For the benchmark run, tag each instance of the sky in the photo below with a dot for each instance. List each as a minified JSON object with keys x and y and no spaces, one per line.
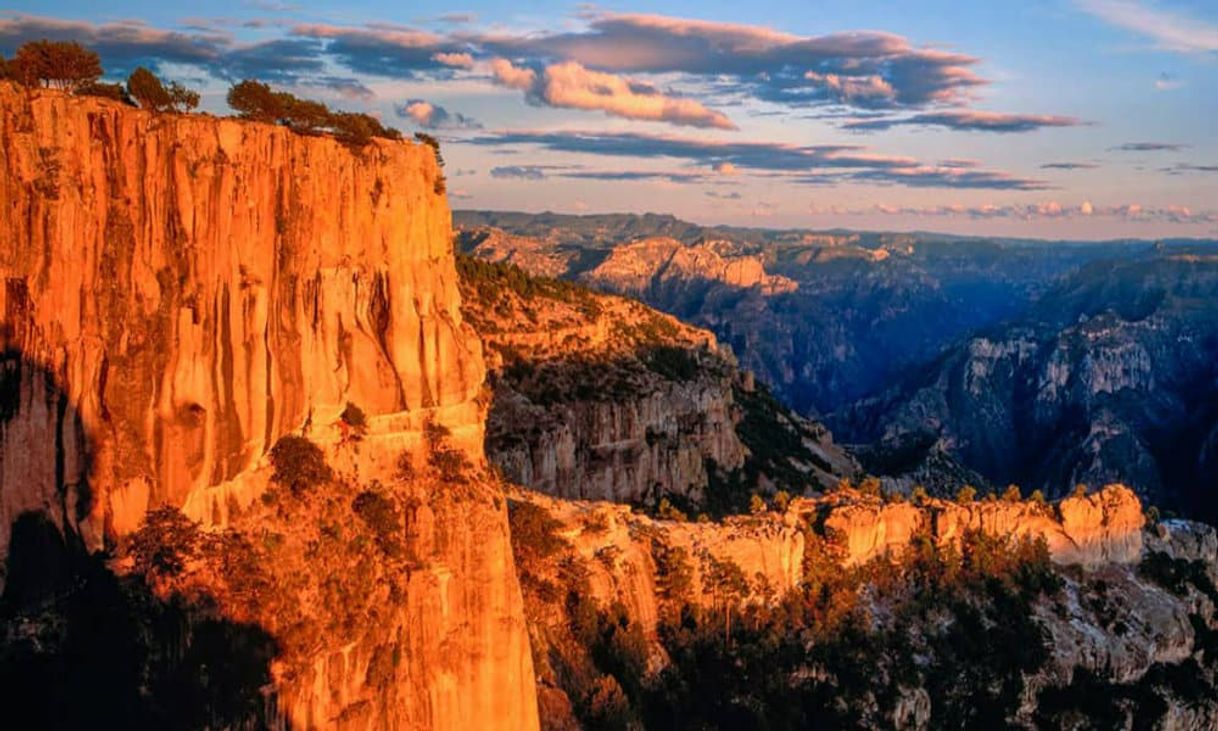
{"x":1082,"y":119}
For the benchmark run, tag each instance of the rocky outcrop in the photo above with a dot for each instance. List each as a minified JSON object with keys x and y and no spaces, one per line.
{"x":661,"y":264}
{"x":1109,"y":617}
{"x":180,"y":292}
{"x":600,"y":397}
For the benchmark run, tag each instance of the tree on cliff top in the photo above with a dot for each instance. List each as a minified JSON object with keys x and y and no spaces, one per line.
{"x":147,"y":89}
{"x":258,"y":102}
{"x":63,"y":65}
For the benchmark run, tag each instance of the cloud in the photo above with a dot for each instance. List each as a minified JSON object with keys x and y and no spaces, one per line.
{"x":432,"y":116}
{"x":1051,"y":210}
{"x":1167,"y":82}
{"x":1149,"y":147}
{"x":729,"y":196}
{"x":348,"y":88}
{"x":457,"y":18}
{"x":814,"y":164}
{"x":755,"y":155}
{"x":384,"y":49}
{"x":456,"y":60}
{"x":122,"y":44}
{"x":637,"y":175}
{"x":927,"y":176}
{"x":1184,"y":167}
{"x":513,"y":77}
{"x":868,"y":69}
{"x":525,"y":172}
{"x":573,"y":86}
{"x":970,"y":121}
{"x":1069,"y":166}
{"x":1169,"y":30}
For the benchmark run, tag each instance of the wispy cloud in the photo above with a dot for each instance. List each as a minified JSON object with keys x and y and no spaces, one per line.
{"x":1050,"y":210}
{"x":968,"y":120}
{"x":1150,"y":147}
{"x":1069,"y":166}
{"x":808,"y":165}
{"x":1169,"y":30}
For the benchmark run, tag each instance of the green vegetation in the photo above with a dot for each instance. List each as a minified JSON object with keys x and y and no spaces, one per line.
{"x":957,"y":622}
{"x":673,"y":362}
{"x":299,"y":464}
{"x":490,"y":280}
{"x":165,"y":542}
{"x":450,"y":463}
{"x":441,"y":184}
{"x":65,"y":65}
{"x":381,"y":514}
{"x":146,"y":89}
{"x":256,"y":101}
{"x":353,"y":416}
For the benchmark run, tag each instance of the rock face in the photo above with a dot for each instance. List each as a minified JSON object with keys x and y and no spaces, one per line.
{"x":1110,"y":617}
{"x":657,"y":265}
{"x":1110,"y":377}
{"x":182,"y":291}
{"x":1091,"y":530}
{"x":600,"y":397}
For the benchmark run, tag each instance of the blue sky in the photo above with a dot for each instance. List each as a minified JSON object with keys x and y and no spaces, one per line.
{"x":1053,"y":118}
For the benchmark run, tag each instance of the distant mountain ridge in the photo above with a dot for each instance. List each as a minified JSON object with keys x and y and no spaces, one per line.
{"x":876,"y":335}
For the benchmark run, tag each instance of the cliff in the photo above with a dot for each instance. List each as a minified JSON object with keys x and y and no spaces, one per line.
{"x":1109,"y":377}
{"x":1103,"y":605}
{"x":181,"y":292}
{"x":600,"y":397}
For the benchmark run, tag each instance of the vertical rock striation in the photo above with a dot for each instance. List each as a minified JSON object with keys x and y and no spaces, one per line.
{"x":179,"y":292}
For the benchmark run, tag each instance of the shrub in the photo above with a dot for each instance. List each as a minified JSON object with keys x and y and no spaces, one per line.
{"x":63,"y":65}
{"x":354,"y":417}
{"x":164,"y":543}
{"x":299,"y":464}
{"x":756,"y":505}
{"x":380,"y":514}
{"x":782,"y":499}
{"x":449,"y":462}
{"x":966,"y":495}
{"x":534,"y":531}
{"x":667,"y":511}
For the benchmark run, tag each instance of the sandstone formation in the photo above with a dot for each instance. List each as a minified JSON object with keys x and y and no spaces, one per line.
{"x":182,"y":291}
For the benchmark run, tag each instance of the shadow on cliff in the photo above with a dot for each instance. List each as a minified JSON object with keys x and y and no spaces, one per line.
{"x":84,"y":646}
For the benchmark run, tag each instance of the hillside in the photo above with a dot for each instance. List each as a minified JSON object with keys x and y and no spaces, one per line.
{"x":1110,"y":375}
{"x":601,"y":397}
{"x":823,"y":317}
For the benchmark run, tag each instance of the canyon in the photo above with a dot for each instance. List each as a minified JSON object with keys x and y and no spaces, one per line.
{"x":181,"y":292}
{"x":256,"y":415}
